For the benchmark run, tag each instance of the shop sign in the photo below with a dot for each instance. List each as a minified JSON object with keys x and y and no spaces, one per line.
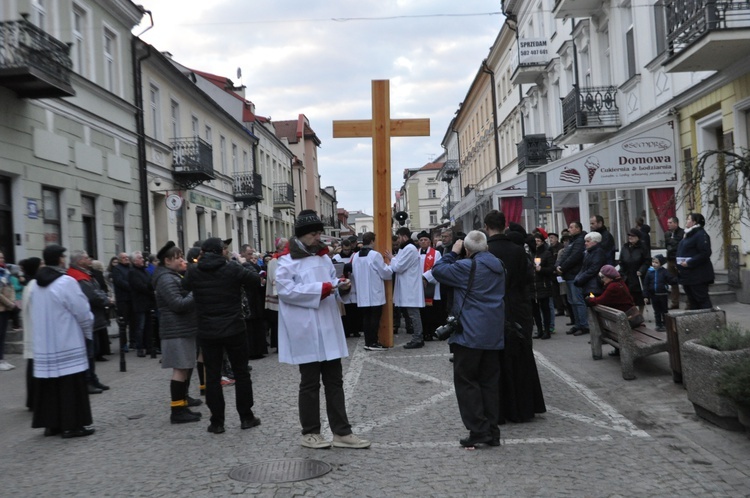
{"x":648,"y":157}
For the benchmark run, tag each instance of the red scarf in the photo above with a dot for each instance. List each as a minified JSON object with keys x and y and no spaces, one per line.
{"x":78,"y":274}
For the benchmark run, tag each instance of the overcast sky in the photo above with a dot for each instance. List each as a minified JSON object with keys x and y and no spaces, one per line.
{"x":296,"y":58}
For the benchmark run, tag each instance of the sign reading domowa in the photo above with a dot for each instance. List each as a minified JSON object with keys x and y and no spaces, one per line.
{"x":645,"y":157}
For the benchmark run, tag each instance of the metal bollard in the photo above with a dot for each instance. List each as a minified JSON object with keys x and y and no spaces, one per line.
{"x":121,"y":326}
{"x":152,"y":334}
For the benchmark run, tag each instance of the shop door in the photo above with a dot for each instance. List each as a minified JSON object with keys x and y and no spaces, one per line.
{"x":710,"y":137}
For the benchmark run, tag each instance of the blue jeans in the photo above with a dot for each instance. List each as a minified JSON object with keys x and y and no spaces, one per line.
{"x":575,"y":298}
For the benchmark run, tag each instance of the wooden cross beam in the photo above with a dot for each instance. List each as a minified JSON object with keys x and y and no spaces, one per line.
{"x":381,"y":128}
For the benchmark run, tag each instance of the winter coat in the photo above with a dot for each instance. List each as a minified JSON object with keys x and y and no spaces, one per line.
{"x":121,"y":282}
{"x":608,"y":244}
{"x":98,"y":299}
{"x":672,"y":241}
{"x":518,"y":277}
{"x":368,"y":272}
{"x":657,"y":282}
{"x":542,"y":284}
{"x":572,"y":259}
{"x":62,"y":322}
{"x":696,"y":245}
{"x":646,"y":236}
{"x":255,"y":294}
{"x":588,"y":278}
{"x":482,"y":307}
{"x":310,"y":328}
{"x":634,"y":258}
{"x":409,"y":290}
{"x":615,"y":295}
{"x":177,"y":313}
{"x":141,"y":290}
{"x":216,"y":284}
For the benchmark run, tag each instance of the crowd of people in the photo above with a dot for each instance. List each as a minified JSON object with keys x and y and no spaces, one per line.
{"x":211,"y":310}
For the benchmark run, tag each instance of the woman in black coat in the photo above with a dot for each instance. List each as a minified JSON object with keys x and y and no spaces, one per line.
{"x":541,"y":288}
{"x":696,"y":272}
{"x":635,"y":259}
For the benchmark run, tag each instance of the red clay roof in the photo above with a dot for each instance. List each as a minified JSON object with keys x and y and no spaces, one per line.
{"x":431,"y":166}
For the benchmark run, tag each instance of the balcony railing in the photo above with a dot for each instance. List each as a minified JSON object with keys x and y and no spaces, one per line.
{"x":33,"y":63}
{"x":283,"y":196}
{"x":590,"y":108}
{"x":248,"y":188}
{"x":689,"y":22}
{"x":447,"y":210}
{"x":532,"y":151}
{"x":330,"y":221}
{"x":192,"y":160}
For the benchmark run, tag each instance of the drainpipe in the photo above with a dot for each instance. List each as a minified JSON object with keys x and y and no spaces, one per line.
{"x":141,"y":134}
{"x":489,"y":71}
{"x":255,"y":170}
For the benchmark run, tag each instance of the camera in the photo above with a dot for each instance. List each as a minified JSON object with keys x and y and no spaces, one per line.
{"x":445,"y":331}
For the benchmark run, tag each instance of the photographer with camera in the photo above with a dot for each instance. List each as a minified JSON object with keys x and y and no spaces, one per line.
{"x":476,"y":334}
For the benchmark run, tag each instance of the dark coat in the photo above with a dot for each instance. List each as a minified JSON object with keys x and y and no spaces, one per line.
{"x":177,"y":316}
{"x":588,"y":278}
{"x":634,"y":258}
{"x":121,"y":282}
{"x":141,"y":290}
{"x":608,"y":244}
{"x":518,"y":276}
{"x":542,"y":284}
{"x":615,"y":295}
{"x":646,"y":236}
{"x":572,"y":259}
{"x":216,"y":284}
{"x":671,"y":241}
{"x":256,"y":296}
{"x":98,"y":299}
{"x":696,"y":245}
{"x":656,"y":282}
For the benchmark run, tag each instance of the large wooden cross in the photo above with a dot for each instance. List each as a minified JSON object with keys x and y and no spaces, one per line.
{"x":381,"y":128}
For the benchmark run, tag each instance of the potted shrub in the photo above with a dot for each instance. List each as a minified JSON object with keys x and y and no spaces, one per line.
{"x":734,"y":383}
{"x":704,"y":359}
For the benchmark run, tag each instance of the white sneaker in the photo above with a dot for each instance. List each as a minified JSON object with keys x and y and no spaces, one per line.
{"x":4,"y":365}
{"x":315,"y":441}
{"x":350,"y":441}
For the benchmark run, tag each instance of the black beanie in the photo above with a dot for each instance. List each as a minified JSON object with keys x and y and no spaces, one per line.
{"x":307,"y":221}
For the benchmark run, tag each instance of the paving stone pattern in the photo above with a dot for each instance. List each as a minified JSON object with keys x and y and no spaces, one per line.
{"x":601,"y":436}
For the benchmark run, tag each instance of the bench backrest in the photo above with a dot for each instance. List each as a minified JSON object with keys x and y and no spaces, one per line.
{"x":613,"y":324}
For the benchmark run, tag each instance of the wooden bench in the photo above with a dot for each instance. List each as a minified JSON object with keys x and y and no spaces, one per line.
{"x":611,"y":326}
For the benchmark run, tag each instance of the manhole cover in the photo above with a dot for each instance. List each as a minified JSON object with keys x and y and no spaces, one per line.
{"x":273,"y":471}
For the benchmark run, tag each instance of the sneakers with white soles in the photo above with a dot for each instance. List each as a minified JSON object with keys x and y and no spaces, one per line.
{"x":4,"y":365}
{"x":350,"y":441}
{"x":315,"y":441}
{"x":376,"y":347}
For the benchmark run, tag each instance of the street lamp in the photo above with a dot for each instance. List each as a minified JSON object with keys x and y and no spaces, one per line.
{"x":554,"y":152}
{"x":448,"y":178}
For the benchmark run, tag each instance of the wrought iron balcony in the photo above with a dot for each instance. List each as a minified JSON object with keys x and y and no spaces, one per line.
{"x":248,"y":188}
{"x":330,"y":222}
{"x":589,"y":115}
{"x":283,"y":196}
{"x":192,"y":160}
{"x":706,"y":35}
{"x":33,"y":63}
{"x":576,"y":8}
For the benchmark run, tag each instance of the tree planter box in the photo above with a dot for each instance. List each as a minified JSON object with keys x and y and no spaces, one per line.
{"x":685,"y":325}
{"x":701,"y":368}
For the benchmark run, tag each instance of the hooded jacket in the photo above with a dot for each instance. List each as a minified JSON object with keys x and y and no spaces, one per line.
{"x":482,"y":307}
{"x":216,"y":284}
{"x":177,"y":315}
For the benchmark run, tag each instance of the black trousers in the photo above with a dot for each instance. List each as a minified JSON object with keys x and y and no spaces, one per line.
{"x":659,"y":302}
{"x":125,"y":312}
{"x":371,"y":323}
{"x":352,"y":320}
{"x":476,"y":375}
{"x":309,"y":397}
{"x":698,"y":298}
{"x":213,"y":356}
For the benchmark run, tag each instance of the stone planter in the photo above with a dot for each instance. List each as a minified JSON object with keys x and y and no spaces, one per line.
{"x":701,"y":368}
{"x":685,"y":325}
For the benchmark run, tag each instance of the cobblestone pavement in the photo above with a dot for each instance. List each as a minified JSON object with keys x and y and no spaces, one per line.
{"x":601,"y":436}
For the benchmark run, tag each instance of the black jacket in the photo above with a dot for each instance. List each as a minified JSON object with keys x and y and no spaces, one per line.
{"x":216,"y":284}
{"x":518,"y":278}
{"x":588,"y":278}
{"x":572,"y":259}
{"x":697,"y":246}
{"x":141,"y":290}
{"x":671,"y":241}
{"x":256,"y":295}
{"x":542,"y":283}
{"x":634,"y":258}
{"x":122,"y":284}
{"x":608,"y":244}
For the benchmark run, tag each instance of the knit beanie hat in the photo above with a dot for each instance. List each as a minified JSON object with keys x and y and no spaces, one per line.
{"x":609,"y":271}
{"x":307,"y":221}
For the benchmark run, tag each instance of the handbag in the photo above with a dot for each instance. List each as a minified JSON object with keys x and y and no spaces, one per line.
{"x":635,"y":318}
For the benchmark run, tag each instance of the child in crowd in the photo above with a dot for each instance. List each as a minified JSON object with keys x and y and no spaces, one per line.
{"x":656,"y":288}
